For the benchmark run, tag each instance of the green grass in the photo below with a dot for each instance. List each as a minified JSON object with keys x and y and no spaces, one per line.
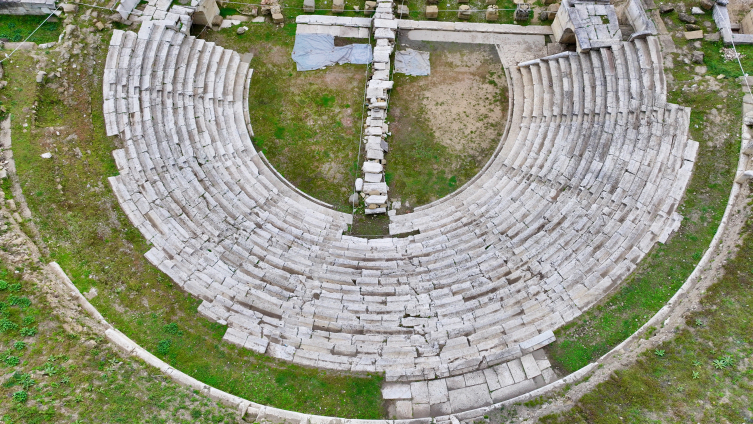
{"x":306,"y":123}
{"x":89,"y":236}
{"x":17,"y":28}
{"x":717,"y":65}
{"x":667,"y":266}
{"x":55,"y":374}
{"x":705,"y":374}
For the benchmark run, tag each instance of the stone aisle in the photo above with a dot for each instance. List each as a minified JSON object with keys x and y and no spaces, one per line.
{"x":373,"y":187}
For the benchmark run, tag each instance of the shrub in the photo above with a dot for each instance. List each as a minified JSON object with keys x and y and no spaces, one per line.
{"x":163,"y":347}
{"x":20,"y":396}
{"x":28,"y":331}
{"x":22,"y":301}
{"x":7,"y":325}
{"x":173,"y":329}
{"x":12,"y":360}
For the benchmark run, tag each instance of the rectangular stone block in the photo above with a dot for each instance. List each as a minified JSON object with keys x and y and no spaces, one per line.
{"x":469,"y":398}
{"x":516,"y":370}
{"x":529,"y":366}
{"x":438,"y":391}
{"x":393,"y":391}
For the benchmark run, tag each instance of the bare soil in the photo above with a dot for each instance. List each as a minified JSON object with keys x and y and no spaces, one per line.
{"x":460,"y":100}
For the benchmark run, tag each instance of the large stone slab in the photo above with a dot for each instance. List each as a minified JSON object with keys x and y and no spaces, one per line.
{"x":469,"y":398}
{"x":394,"y":391}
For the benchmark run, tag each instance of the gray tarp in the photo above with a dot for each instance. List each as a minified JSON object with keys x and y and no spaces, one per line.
{"x":316,"y":51}
{"x":412,"y":62}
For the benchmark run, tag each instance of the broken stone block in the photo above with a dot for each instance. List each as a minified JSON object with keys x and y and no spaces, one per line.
{"x":69,"y":8}
{"x":708,"y":4}
{"x":697,"y":11}
{"x":338,"y":6}
{"x":369,"y":8}
{"x":278,"y":18}
{"x":697,"y":57}
{"x":464,"y":12}
{"x":309,"y":6}
{"x":693,"y":35}
{"x":359,"y":184}
{"x":402,"y":11}
{"x":432,"y":12}
{"x":684,"y":17}
{"x":522,"y":12}
{"x":241,"y":30}
{"x":372,"y":167}
{"x":492,"y":14}
{"x":666,"y":8}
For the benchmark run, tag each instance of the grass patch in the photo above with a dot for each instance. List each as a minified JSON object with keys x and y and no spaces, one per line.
{"x":90,"y":237}
{"x":54,"y":374}
{"x":17,"y":28}
{"x":705,"y":374}
{"x":714,"y":124}
{"x":306,"y":123}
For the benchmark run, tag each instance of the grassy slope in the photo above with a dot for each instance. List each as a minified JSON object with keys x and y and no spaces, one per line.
{"x":704,"y":374}
{"x":667,"y":266}
{"x":51,"y":373}
{"x":90,"y":237}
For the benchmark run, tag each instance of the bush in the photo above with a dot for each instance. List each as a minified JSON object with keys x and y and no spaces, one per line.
{"x":7,"y":325}
{"x":28,"y":331}
{"x":163,"y":346}
{"x":20,"y":396}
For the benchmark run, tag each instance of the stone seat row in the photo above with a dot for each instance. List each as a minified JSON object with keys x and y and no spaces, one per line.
{"x":133,"y":164}
{"x":242,"y":147}
{"x":521,"y":260}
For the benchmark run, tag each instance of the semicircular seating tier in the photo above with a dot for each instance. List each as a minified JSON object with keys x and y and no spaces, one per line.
{"x":586,"y":181}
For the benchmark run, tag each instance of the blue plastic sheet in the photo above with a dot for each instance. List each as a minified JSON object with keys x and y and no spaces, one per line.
{"x":317,"y":51}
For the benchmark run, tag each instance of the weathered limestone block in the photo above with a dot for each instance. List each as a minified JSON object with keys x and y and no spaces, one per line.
{"x":402,"y":11}
{"x":432,"y":12}
{"x":464,"y":12}
{"x":338,"y":6}
{"x":369,"y":8}
{"x":205,"y":13}
{"x":492,"y":14}
{"x":372,"y":167}
{"x":309,"y":6}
